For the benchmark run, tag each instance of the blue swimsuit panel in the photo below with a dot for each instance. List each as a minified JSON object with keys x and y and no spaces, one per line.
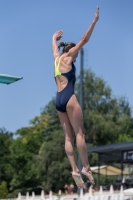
{"x":63,"y":96}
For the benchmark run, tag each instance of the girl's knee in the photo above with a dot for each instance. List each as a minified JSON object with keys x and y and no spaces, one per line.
{"x":80,"y":134}
{"x":68,"y":139}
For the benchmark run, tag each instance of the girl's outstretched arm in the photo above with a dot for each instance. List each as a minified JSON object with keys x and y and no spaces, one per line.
{"x":57,"y":35}
{"x":86,"y":36}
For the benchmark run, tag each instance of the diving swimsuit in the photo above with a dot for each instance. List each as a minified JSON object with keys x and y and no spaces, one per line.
{"x":64,"y":95}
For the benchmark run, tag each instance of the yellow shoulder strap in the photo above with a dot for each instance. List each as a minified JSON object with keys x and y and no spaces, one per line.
{"x":55,"y":60}
{"x":57,"y":72}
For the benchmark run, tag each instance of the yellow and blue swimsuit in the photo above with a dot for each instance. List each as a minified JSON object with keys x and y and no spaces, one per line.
{"x":64,"y":95}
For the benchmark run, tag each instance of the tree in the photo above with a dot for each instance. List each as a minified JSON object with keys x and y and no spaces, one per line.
{"x":6,"y":168}
{"x":53,"y":163}
{"x":106,"y":118}
{"x":3,"y":190}
{"x":54,"y":166}
{"x":23,"y":150}
{"x":53,"y":122}
{"x":36,"y":159}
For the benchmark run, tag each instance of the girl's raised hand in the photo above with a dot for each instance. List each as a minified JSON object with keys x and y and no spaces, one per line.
{"x":58,"y":35}
{"x":96,"y":17}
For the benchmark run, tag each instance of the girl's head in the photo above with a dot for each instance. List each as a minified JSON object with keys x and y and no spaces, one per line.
{"x":66,"y":46}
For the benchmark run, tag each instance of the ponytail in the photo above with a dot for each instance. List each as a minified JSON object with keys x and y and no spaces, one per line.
{"x":66,"y":46}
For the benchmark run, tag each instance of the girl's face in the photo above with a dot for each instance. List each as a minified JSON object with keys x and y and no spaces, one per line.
{"x":75,"y":56}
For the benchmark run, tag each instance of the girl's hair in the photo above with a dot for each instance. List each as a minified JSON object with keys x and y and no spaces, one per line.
{"x":66,"y":46}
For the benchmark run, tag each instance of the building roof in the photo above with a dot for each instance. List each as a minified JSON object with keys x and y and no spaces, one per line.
{"x":112,"y":147}
{"x":114,"y":152}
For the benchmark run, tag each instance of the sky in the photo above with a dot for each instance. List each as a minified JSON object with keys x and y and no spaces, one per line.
{"x":26,"y":29}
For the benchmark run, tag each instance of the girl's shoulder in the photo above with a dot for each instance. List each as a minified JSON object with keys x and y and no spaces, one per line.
{"x":66,"y":58}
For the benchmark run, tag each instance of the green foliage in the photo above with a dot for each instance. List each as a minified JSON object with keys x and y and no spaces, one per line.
{"x":23,"y":149}
{"x":3,"y":190}
{"x":36,"y":159}
{"x":24,"y":167}
{"x":53,"y":163}
{"x":6,"y":168}
{"x":106,"y":118}
{"x":53,"y":123}
{"x":104,"y":180}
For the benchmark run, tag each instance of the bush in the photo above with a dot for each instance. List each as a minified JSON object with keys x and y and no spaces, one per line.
{"x":3,"y":190}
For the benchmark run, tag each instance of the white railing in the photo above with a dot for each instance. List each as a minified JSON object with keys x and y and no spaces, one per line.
{"x":91,"y":195}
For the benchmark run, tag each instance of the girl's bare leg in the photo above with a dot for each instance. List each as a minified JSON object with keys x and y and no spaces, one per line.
{"x":69,"y":147}
{"x":76,"y":119}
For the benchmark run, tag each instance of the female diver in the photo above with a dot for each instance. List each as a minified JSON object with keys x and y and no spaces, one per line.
{"x":67,"y":106}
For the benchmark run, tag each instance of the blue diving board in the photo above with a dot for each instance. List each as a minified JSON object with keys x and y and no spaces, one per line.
{"x":8,"y":79}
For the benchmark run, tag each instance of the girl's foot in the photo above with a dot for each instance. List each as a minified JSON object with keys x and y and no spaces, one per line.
{"x":88,"y":173}
{"x":78,"y":180}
